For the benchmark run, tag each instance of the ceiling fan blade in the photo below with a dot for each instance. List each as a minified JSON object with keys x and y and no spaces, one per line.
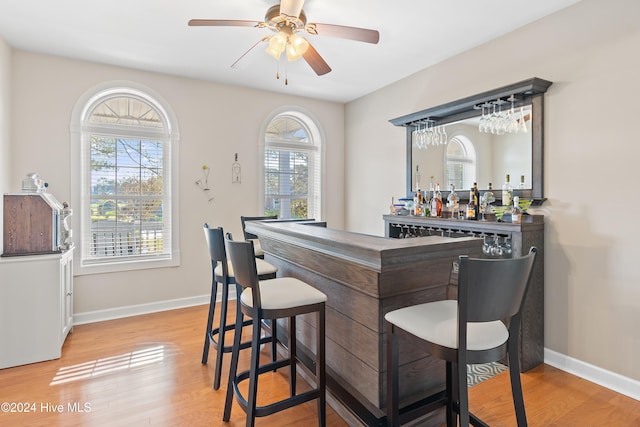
{"x":351,"y":33}
{"x":291,"y":7}
{"x":235,"y":64}
{"x":222,"y":23}
{"x":316,"y":62}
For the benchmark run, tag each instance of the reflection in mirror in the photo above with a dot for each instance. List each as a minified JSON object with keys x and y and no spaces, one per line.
{"x":490,"y":158}
{"x":471,"y":156}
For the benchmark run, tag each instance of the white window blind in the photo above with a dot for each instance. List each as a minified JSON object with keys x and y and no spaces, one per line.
{"x":292,"y":169}
{"x":460,"y":163}
{"x":126,"y":189}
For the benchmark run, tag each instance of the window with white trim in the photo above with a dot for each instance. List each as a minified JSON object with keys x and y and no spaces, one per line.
{"x":127,"y":204}
{"x":292,"y":167}
{"x":460,"y":162}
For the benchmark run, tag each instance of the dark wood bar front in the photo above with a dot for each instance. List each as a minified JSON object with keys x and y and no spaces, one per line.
{"x":365,"y":277}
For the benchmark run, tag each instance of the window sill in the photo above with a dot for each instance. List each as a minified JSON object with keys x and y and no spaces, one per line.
{"x":114,"y":267}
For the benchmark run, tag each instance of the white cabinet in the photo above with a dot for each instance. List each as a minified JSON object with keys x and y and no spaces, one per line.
{"x":36,"y":307}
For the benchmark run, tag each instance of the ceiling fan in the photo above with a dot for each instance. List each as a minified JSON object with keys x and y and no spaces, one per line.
{"x":286,"y":20}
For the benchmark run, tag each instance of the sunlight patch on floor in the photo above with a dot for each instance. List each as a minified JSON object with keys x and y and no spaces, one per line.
{"x":109,"y":365}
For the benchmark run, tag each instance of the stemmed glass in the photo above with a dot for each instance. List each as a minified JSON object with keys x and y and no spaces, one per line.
{"x":486,"y":245}
{"x":512,"y":120}
{"x":417,"y":135}
{"x":523,"y":124}
{"x":443,"y":135}
{"x":493,"y":121}
{"x":484,"y":120}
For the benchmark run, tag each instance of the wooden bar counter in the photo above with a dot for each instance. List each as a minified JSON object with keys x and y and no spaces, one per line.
{"x":365,"y":277}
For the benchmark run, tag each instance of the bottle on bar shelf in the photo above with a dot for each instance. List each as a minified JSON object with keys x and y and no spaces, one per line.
{"x":392,"y":208}
{"x":488,"y":196}
{"x":452,"y":201}
{"x":522,"y":187}
{"x":485,"y":201}
{"x":436,"y":202}
{"x":471,"y":208}
{"x":419,"y":203}
{"x":507,"y":192}
{"x":516,"y":211}
{"x":417,"y":177}
{"x":476,"y":200}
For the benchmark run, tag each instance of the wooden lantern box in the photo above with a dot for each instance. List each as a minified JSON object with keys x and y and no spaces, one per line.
{"x":31,"y":224}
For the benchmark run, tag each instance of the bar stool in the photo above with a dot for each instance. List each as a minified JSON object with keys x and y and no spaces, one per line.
{"x":273,"y":299}
{"x":470,"y":330}
{"x":250,"y":236}
{"x":223,"y":273}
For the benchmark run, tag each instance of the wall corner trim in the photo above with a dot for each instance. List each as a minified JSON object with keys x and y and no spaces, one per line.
{"x":611,"y":380}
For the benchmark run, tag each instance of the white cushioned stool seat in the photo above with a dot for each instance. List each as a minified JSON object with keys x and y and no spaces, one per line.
{"x":257,"y":249}
{"x":437,"y":322}
{"x":284,"y":292}
{"x":262,"y":268}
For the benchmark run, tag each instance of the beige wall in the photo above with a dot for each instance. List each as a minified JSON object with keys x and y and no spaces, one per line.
{"x":590,"y":52}
{"x":215,"y":121}
{"x":5,"y":97}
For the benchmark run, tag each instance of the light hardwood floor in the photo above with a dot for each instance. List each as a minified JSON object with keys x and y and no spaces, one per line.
{"x":146,"y":370}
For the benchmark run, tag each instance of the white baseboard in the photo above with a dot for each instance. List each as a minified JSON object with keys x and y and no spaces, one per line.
{"x":135,"y":310}
{"x":611,"y":380}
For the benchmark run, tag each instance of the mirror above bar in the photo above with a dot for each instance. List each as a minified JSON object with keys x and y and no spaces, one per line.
{"x":488,"y":156}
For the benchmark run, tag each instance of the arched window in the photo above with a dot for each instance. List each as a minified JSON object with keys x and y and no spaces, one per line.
{"x":292,"y":167}
{"x":125,"y":139}
{"x":460,"y":162}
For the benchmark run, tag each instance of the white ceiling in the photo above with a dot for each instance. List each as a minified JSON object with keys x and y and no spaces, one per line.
{"x":153,"y":35}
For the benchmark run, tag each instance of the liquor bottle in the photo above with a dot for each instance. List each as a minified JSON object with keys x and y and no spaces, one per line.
{"x":452,"y":201}
{"x":488,"y":197}
{"x":485,"y":201}
{"x":476,"y":200}
{"x":436,"y":202}
{"x":433,"y":203}
{"x":507,"y":192}
{"x":522,"y":182}
{"x":392,"y":208}
{"x":417,"y":177}
{"x":418,"y":203}
{"x":471,"y":208}
{"x":516,"y":211}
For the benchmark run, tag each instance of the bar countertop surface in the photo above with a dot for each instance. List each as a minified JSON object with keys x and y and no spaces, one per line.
{"x":373,"y":251}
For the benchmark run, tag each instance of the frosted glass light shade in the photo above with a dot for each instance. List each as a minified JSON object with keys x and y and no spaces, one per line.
{"x":296,"y":47}
{"x":277,"y":45}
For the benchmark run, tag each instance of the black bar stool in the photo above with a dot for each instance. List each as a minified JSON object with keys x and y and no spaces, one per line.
{"x":250,"y":236}
{"x":469,"y":330}
{"x":284,"y":297}
{"x":223,"y":273}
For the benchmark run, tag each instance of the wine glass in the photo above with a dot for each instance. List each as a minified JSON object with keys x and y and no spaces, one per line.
{"x":523,"y":124}
{"x":512,"y":122}
{"x":508,"y":250}
{"x":443,"y":135}
{"x":483,"y":126}
{"x":415,"y":135}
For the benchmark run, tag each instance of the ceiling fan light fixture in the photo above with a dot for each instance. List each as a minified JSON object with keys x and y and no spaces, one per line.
{"x":296,"y":47}
{"x":277,"y":44}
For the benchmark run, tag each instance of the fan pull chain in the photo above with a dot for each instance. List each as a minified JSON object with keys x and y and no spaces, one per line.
{"x":286,"y":74}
